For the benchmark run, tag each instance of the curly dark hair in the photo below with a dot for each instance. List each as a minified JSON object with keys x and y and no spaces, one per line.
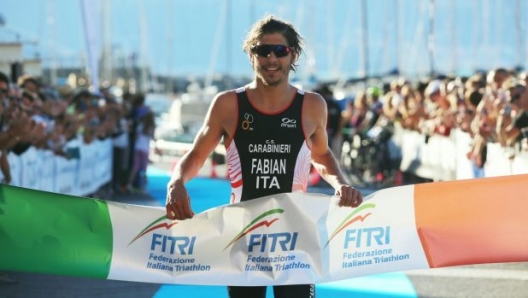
{"x":269,"y":25}
{"x":4,"y":78}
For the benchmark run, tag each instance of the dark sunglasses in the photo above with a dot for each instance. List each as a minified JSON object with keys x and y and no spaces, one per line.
{"x":4,"y":91}
{"x":264,"y":50}
{"x":515,"y":97}
{"x":466,"y":111}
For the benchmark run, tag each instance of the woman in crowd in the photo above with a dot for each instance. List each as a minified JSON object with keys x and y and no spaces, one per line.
{"x":144,"y":134}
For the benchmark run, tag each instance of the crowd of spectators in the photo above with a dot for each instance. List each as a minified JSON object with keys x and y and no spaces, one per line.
{"x":490,"y":107}
{"x":32,"y":114}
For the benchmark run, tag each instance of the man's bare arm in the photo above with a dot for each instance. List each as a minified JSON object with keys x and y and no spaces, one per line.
{"x":208,"y":137}
{"x":322,"y":157}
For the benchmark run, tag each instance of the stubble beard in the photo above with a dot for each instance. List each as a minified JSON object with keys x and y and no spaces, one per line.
{"x":271,"y":82}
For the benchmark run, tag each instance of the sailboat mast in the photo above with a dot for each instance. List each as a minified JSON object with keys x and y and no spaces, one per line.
{"x":475,"y":36}
{"x":228,"y":43}
{"x":386,"y":49}
{"x":51,"y":22}
{"x":107,"y":52}
{"x":364,"y":37}
{"x":170,"y":29}
{"x":216,"y":45}
{"x":520,"y":35}
{"x":330,"y":34}
{"x":485,"y":28}
{"x":148,"y":82}
{"x":399,"y":36}
{"x":498,"y":32}
{"x":431,"y":41}
{"x":340,"y":57}
{"x":454,"y":44}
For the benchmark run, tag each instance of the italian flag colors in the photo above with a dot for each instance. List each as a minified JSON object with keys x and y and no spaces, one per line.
{"x":52,"y":233}
{"x":289,"y":238}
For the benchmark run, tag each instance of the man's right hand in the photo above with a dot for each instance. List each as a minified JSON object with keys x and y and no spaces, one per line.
{"x":178,"y":204}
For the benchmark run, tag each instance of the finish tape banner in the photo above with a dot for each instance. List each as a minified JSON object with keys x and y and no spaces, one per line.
{"x":292,"y":238}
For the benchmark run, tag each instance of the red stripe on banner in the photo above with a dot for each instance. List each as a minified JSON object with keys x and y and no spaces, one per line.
{"x":473,"y":221}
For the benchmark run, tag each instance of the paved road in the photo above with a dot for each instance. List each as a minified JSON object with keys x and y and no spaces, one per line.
{"x":483,"y":281}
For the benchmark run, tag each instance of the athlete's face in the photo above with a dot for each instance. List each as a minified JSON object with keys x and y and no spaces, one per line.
{"x":271,"y":69}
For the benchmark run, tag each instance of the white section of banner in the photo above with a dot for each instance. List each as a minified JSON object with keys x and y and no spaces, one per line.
{"x":386,"y":240}
{"x":292,"y":238}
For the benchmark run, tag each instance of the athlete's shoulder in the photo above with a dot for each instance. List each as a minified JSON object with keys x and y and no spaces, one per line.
{"x":314,"y":99}
{"x":227,"y":97}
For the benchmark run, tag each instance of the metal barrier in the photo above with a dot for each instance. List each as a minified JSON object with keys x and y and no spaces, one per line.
{"x":43,"y":170}
{"x":443,"y":158}
{"x":435,"y":157}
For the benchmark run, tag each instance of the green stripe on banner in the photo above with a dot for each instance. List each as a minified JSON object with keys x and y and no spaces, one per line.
{"x":52,"y":233}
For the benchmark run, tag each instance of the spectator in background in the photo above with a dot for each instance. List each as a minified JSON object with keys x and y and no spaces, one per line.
{"x":493,"y":97}
{"x":49,"y":119}
{"x":347,"y":131}
{"x":8,"y":137}
{"x":465,"y":114}
{"x":92,"y":119}
{"x":513,"y":116}
{"x":375,"y":105}
{"x":473,"y":97}
{"x":524,"y":131}
{"x":4,"y":102}
{"x":481,"y":135}
{"x":411,"y":110}
{"x":5,"y":136}
{"x":57,"y":139}
{"x":475,"y":82}
{"x":16,"y":136}
{"x":455,"y":87}
{"x":137,"y":110}
{"x":485,"y":120}
{"x":333,"y":125}
{"x":79,"y":102}
{"x":89,"y":131}
{"x":28,"y":98}
{"x":144,"y":134}
{"x":442,"y":112}
{"x":393,"y":99}
{"x":29,"y":84}
{"x":523,"y":76}
{"x":358,"y":119}
{"x":120,"y":134}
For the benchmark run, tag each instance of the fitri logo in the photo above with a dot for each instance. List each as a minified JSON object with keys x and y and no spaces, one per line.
{"x":289,"y":123}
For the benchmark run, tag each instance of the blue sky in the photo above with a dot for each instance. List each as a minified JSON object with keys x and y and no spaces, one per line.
{"x":204,"y":36}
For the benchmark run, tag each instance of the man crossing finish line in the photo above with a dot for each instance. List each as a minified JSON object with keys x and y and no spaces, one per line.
{"x":273,"y":133}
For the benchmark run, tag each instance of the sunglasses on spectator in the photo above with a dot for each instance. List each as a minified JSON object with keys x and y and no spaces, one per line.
{"x":515,"y":97}
{"x":466,"y":111}
{"x":4,"y":91}
{"x":264,"y":50}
